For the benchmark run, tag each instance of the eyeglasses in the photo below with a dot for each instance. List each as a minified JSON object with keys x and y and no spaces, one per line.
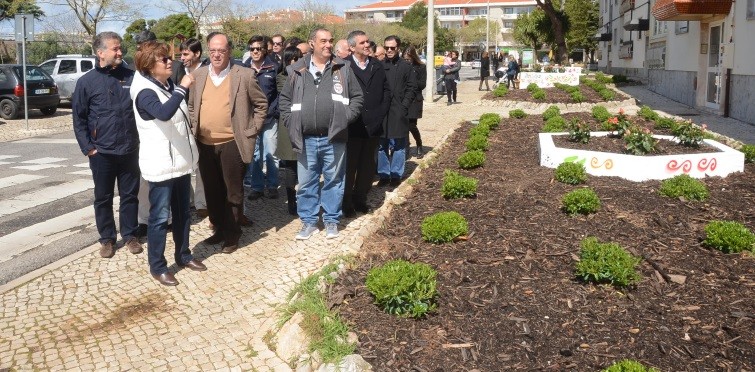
{"x":164,"y":60}
{"x":318,"y":77}
{"x":218,"y":51}
{"x":391,"y":48}
{"x":255,"y":49}
{"x":280,"y":43}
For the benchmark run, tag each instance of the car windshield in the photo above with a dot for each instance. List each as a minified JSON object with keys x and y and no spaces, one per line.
{"x":33,"y":73}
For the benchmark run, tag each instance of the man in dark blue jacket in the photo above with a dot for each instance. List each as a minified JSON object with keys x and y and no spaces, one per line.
{"x":266,"y":71}
{"x":103,"y":121}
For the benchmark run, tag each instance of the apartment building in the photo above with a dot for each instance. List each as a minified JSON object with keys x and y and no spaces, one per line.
{"x":685,"y":50}
{"x":455,"y":14}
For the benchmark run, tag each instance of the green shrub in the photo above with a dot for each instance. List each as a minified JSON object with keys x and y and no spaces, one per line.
{"x":571,"y":173}
{"x":629,"y":366}
{"x":607,"y":94}
{"x":550,"y":112}
{"x":500,"y":90}
{"x":555,"y":124}
{"x":471,"y":159}
{"x":477,"y":142}
{"x":601,"y":77}
{"x":688,"y":134}
{"x":600,"y":113}
{"x":518,"y":114}
{"x":619,"y":79}
{"x":639,"y":141}
{"x":606,"y":263}
{"x":749,"y":151}
{"x":490,"y":120}
{"x":403,"y":288}
{"x":444,"y":227}
{"x":686,"y":186}
{"x":581,"y":201}
{"x":490,"y":116}
{"x":729,"y":237}
{"x":647,"y":113}
{"x":579,"y":131}
{"x":577,"y":97}
{"x":538,"y":95}
{"x":665,"y":123}
{"x":456,"y":186}
{"x":532,"y":87}
{"x":481,"y":129}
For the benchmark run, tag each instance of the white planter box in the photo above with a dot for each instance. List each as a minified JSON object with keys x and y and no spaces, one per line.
{"x":548,"y":79}
{"x":643,"y":168}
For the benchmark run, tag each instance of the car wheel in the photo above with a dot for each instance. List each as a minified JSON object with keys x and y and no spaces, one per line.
{"x":8,"y":109}
{"x":49,"y":110}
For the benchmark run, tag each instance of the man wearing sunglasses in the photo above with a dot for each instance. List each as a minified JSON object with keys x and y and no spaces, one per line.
{"x":265,"y":70}
{"x":317,"y":103}
{"x":278,"y":45}
{"x":403,"y":83}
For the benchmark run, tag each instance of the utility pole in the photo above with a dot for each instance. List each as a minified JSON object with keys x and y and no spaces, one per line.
{"x":430,"y":60}
{"x":487,"y":29}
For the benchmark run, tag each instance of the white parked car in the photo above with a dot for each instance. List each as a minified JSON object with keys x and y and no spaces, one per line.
{"x":66,"y":69}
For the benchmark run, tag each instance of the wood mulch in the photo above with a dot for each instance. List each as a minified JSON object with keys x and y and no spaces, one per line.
{"x":508,"y":296}
{"x":552,"y":95}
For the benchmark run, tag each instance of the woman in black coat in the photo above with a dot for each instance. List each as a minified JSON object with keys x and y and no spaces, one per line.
{"x":415,"y":110}
{"x":484,"y":70}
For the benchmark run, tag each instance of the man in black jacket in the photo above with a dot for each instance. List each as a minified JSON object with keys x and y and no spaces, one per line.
{"x":365,"y":132}
{"x":403,"y":85}
{"x":104,"y":125}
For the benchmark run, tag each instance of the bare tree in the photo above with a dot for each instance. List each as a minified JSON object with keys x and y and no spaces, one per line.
{"x":90,"y":13}
{"x":197,"y":10}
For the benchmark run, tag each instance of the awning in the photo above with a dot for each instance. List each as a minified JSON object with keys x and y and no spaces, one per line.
{"x":689,"y":10}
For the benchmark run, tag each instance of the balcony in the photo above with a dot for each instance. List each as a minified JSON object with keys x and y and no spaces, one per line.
{"x":509,"y":17}
{"x":689,"y":10}
{"x":626,"y":5}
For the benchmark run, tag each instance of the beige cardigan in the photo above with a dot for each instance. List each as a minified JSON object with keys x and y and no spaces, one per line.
{"x":248,"y":106}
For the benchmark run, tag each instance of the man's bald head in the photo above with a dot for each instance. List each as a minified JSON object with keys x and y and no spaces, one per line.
{"x":342,"y":48}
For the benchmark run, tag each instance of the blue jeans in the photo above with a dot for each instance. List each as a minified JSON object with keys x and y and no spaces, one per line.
{"x":165,"y":197}
{"x":264,"y":151}
{"x":106,"y":170}
{"x":392,"y":167}
{"x":320,"y":157}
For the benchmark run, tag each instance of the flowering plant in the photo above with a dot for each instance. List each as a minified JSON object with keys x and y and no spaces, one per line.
{"x":689,"y":134}
{"x":579,"y":131}
{"x":618,"y":124}
{"x":639,"y":141}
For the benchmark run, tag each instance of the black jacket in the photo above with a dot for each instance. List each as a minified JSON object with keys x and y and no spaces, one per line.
{"x":377,"y":99}
{"x":403,"y":88}
{"x":485,"y":67}
{"x":179,"y":72}
{"x":420,"y":73}
{"x":103,"y":115}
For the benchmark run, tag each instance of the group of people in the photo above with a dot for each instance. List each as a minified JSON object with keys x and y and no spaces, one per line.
{"x":289,"y":114}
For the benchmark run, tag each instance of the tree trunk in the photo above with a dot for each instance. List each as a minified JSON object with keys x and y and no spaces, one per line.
{"x":559,"y":32}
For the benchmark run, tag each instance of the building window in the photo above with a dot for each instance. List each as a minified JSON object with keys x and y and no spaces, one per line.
{"x":682,"y":27}
{"x":660,"y":28}
{"x":508,"y":10}
{"x":450,"y":11}
{"x":750,"y":9}
{"x":508,"y":24}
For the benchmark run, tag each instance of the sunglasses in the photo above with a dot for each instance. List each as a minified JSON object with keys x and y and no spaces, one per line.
{"x":255,"y":49}
{"x":390,"y":48}
{"x":165,"y":60}
{"x":274,"y":43}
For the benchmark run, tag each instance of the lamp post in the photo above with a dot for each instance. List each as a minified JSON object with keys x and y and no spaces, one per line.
{"x":487,"y":29}
{"x":430,"y":61}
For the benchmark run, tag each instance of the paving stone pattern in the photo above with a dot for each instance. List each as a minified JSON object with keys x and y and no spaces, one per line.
{"x":109,"y":314}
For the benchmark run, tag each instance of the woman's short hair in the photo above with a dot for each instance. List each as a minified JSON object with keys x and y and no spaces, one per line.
{"x":147,"y":54}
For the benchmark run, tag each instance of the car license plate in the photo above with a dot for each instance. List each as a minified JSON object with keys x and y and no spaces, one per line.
{"x":41,"y":91}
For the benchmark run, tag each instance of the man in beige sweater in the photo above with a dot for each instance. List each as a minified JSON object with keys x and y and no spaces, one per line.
{"x":227,"y":109}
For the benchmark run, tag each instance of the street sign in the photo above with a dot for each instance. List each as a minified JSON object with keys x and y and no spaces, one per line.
{"x":19,"y":32}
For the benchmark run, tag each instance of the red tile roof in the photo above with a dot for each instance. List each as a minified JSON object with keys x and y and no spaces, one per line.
{"x":409,"y":3}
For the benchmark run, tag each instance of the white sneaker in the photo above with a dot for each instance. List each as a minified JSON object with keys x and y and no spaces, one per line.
{"x":306,"y":231}
{"x":331,"y":230}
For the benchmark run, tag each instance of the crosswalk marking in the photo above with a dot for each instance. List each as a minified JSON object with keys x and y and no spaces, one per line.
{"x":48,"y":141}
{"x":5,"y":157}
{"x":37,"y":167}
{"x":18,"y":179}
{"x":43,"y":196}
{"x":44,"y":160}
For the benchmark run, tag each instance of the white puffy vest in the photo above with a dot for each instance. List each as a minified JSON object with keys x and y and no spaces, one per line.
{"x":166,"y":148}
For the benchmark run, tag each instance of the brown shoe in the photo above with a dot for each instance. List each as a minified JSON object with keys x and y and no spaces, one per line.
{"x":194,"y":265}
{"x":166,"y":279}
{"x":228,"y":249}
{"x":202,"y":213}
{"x":106,"y":249}
{"x":216,"y":238}
{"x":134,"y":246}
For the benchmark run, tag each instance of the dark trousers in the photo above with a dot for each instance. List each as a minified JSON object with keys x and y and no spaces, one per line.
{"x":222,"y":173}
{"x":415,"y":132}
{"x":510,"y":80}
{"x":106,"y":170}
{"x":451,"y":90}
{"x":165,"y":197}
{"x":360,"y":170}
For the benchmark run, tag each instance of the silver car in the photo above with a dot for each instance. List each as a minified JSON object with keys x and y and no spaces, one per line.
{"x":66,"y":69}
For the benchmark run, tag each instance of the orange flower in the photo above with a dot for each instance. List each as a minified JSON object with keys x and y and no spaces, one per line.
{"x":613,"y":120}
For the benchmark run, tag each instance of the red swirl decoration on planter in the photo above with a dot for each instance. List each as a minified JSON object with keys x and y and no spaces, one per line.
{"x":705,"y":164}
{"x":608,"y":163}
{"x":674,"y":165}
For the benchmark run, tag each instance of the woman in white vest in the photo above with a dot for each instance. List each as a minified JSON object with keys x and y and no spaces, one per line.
{"x":167,"y":156}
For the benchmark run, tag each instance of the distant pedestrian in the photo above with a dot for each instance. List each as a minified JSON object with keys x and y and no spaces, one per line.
{"x":104,"y":125}
{"x":285,"y":153}
{"x":415,"y":110}
{"x":484,"y":70}
{"x":512,"y":71}
{"x":451,"y":76}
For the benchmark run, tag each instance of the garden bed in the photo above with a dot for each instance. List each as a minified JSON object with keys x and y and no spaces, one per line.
{"x":508,"y":296}
{"x":552,"y":95}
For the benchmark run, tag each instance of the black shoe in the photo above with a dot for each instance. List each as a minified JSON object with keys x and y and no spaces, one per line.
{"x":349,"y":212}
{"x":420,"y":152}
{"x":395,"y":182}
{"x":383,"y":182}
{"x":215,"y":239}
{"x":362,"y":207}
{"x":254,"y":195}
{"x":449,"y":103}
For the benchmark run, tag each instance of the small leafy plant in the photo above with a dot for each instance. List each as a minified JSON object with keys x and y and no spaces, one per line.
{"x":600,"y":113}
{"x":571,"y":173}
{"x":577,"y":97}
{"x":537,"y":68}
{"x":629,"y":366}
{"x":684,"y":186}
{"x":555,"y":124}
{"x":639,"y":141}
{"x":619,"y":79}
{"x":647,"y":113}
{"x":665,"y":123}
{"x":581,"y":201}
{"x":517,"y":114}
{"x":403,"y":288}
{"x":618,"y":124}
{"x":749,"y":151}
{"x":607,"y":94}
{"x":481,"y":129}
{"x":471,"y":159}
{"x":490,"y":120}
{"x":601,"y":77}
{"x":689,"y":134}
{"x":532,"y":87}
{"x":729,"y":237}
{"x":606,"y":263}
{"x":477,"y":142}
{"x":444,"y":227}
{"x":456,"y":186}
{"x":579,"y":131}
{"x":550,"y":112}
{"x":538,"y":95}
{"x":500,"y":90}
